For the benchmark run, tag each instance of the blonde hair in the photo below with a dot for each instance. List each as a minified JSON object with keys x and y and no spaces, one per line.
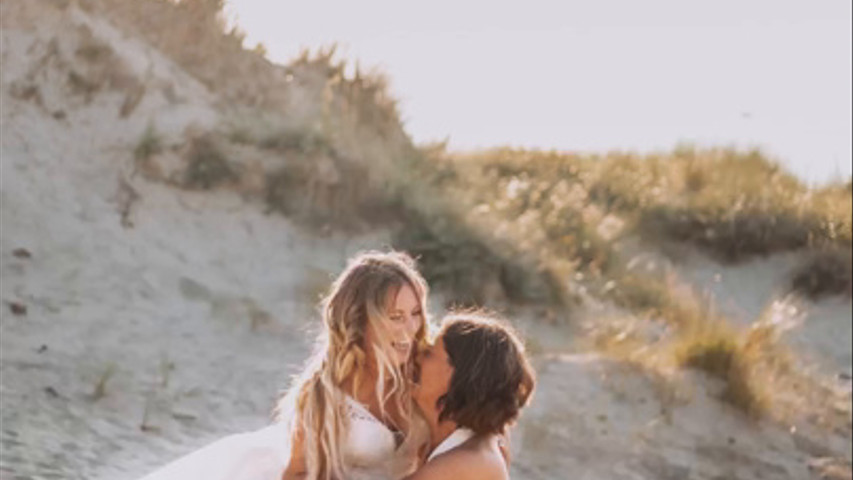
{"x":315,"y":402}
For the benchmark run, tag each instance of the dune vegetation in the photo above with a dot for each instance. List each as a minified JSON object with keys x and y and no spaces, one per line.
{"x":505,"y":225}
{"x":175,"y":204}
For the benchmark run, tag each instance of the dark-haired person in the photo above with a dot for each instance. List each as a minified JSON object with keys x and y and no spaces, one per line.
{"x":474,"y":381}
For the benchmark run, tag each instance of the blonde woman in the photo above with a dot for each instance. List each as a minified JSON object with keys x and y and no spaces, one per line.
{"x":352,"y":409}
{"x":350,"y":414}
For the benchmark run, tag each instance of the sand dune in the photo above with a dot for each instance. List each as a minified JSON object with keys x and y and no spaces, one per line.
{"x":158,"y":319}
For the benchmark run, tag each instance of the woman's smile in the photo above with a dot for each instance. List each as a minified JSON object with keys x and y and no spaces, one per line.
{"x":403,"y":347}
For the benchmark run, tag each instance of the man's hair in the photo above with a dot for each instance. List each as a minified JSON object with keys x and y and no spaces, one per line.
{"x":492,"y":379}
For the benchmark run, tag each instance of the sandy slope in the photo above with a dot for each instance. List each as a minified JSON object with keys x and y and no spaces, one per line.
{"x":602,"y":420}
{"x":206,"y":283}
{"x":744,"y":291}
{"x":203,"y":307}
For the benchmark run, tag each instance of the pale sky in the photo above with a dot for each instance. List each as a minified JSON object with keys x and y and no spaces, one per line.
{"x":596,"y":75}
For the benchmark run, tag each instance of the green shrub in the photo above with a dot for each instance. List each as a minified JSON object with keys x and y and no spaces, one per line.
{"x":307,"y":143}
{"x":207,"y":165}
{"x":322,"y":190}
{"x":282,"y":191}
{"x":730,"y":236}
{"x":826,"y":272}
{"x":714,"y":354}
{"x":454,"y":257}
{"x":149,"y":144}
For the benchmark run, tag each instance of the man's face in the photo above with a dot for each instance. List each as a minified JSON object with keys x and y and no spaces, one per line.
{"x":435,"y":374}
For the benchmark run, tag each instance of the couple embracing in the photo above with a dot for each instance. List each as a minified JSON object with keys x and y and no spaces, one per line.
{"x":381,"y":398}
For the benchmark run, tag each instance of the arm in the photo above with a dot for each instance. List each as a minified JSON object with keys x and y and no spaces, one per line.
{"x":296,"y":468}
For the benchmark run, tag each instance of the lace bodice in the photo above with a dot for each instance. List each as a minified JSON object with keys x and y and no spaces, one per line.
{"x":371,"y":448}
{"x":370,"y":442}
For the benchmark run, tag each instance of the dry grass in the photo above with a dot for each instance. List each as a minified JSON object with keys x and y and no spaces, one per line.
{"x":732,"y":204}
{"x":714,"y":348}
{"x":100,"y":390}
{"x":762,"y":377}
{"x":722,"y":352}
{"x":472,"y":245}
{"x":531,"y":236}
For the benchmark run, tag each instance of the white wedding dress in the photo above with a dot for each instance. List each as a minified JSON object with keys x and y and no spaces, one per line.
{"x":370,"y":452}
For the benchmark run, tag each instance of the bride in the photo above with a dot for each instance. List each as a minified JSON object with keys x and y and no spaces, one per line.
{"x":350,"y":414}
{"x":353,"y":407}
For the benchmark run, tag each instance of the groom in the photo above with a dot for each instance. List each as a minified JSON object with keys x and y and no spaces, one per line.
{"x":474,"y":381}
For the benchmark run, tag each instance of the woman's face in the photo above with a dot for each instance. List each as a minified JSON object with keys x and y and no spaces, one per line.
{"x":435,"y":374}
{"x":405,"y":318}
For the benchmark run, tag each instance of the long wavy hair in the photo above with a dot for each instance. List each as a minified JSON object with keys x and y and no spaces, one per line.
{"x":316,"y":403}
